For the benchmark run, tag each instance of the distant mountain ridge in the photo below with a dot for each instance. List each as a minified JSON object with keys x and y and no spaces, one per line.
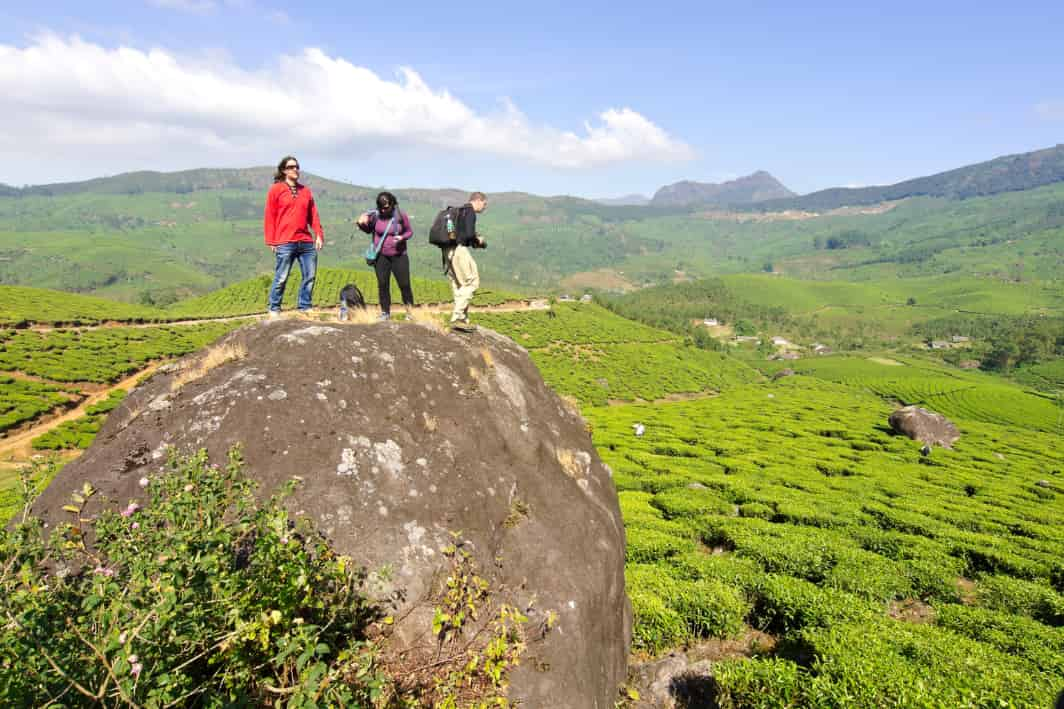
{"x":1010,"y":173}
{"x":756,"y":187}
{"x":252,"y":179}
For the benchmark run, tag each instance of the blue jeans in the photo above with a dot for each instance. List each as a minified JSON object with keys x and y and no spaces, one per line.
{"x":287,"y":254}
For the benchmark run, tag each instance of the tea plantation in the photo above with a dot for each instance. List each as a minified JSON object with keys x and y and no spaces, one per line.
{"x":878,"y":577}
{"x":790,"y":508}
{"x":882,"y":577}
{"x":587,"y":352}
{"x":101,"y":355}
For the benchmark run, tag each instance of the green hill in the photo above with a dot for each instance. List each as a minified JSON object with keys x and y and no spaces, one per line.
{"x":161,"y":237}
{"x":1010,"y":173}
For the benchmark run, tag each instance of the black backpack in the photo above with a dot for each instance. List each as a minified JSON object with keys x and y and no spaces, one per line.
{"x":439,"y":234}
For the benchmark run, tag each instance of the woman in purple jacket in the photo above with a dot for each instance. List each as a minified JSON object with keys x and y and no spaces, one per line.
{"x":388,"y":223}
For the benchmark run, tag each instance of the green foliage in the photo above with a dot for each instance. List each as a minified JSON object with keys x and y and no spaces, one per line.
{"x":765,"y":684}
{"x":1020,"y":597}
{"x":81,"y":432}
{"x":567,"y":323}
{"x":26,"y":400}
{"x":837,"y":520}
{"x":676,"y":609}
{"x":1043,"y":647}
{"x":20,"y":305}
{"x":102,"y":355}
{"x":200,"y":595}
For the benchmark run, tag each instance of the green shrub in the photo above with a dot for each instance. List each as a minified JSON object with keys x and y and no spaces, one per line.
{"x":740,"y":573}
{"x":709,"y":608}
{"x":1043,"y":647}
{"x":685,"y":502}
{"x":757,"y":684}
{"x":656,"y":626}
{"x":1019,"y":597}
{"x":757,"y":510}
{"x":201,"y":595}
{"x":647,"y":545}
{"x":868,"y":575}
{"x":881,"y":662}
{"x":786,"y":604}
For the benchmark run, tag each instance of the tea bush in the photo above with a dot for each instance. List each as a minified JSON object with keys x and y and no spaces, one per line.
{"x":81,"y":432}
{"x":102,"y":355}
{"x":22,"y":401}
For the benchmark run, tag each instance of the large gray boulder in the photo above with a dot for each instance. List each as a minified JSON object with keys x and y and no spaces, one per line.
{"x":403,"y":434}
{"x":923,"y":425}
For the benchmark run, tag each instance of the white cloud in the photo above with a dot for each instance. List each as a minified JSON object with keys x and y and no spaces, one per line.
{"x":198,"y":7}
{"x":77,"y":99}
{"x":1050,"y":110}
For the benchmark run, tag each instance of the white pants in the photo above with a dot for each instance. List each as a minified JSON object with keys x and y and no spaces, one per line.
{"x":464,"y":281}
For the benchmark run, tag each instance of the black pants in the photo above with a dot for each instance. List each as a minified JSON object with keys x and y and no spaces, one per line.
{"x":400,"y":266}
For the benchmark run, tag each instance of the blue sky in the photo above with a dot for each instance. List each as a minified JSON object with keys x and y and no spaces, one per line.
{"x":819,"y":95}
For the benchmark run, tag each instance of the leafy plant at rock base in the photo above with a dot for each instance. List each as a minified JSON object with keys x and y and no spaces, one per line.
{"x":198,"y":596}
{"x":477,"y":644}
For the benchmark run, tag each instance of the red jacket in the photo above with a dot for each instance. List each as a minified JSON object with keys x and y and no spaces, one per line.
{"x":287,"y":218}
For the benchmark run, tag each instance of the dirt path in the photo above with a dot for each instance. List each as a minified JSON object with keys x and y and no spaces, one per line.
{"x":18,"y":446}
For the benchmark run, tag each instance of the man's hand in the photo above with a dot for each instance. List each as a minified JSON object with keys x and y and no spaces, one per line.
{"x":319,"y":242}
{"x":273,"y":248}
{"x":363,"y":220}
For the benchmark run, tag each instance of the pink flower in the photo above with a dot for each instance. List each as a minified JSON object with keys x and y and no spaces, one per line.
{"x":143,"y":482}
{"x":122,"y":638}
{"x":130,"y":510}
{"x":135,"y":525}
{"x":135,"y":669}
{"x":104,"y":571}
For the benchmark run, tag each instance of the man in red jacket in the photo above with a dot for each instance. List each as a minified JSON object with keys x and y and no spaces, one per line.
{"x":290,"y":215}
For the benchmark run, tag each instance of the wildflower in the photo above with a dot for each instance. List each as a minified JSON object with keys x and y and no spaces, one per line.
{"x":135,"y":525}
{"x":104,"y":571}
{"x":188,"y":488}
{"x":130,"y":510}
{"x":143,"y":482}
{"x":132,"y":658}
{"x":135,"y":669}
{"x":122,"y":638}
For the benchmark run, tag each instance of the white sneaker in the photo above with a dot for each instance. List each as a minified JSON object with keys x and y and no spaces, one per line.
{"x":274,"y":315}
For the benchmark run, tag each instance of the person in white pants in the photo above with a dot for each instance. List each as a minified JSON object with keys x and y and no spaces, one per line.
{"x":461,"y":268}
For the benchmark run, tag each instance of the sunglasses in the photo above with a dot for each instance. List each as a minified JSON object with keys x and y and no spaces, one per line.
{"x":291,"y":167}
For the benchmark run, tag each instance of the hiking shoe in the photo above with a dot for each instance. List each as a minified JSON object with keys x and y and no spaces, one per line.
{"x":463,"y":326}
{"x":384,"y":316}
{"x":274,"y":315}
{"x":305,"y":315}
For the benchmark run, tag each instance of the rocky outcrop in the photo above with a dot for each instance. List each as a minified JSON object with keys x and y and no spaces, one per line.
{"x":923,"y":425}
{"x":403,"y":434}
{"x":756,"y":187}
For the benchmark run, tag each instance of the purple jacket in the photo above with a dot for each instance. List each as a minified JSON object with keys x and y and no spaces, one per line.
{"x":396,"y":238}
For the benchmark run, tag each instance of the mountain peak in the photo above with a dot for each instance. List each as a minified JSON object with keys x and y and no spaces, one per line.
{"x":755,"y":187}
